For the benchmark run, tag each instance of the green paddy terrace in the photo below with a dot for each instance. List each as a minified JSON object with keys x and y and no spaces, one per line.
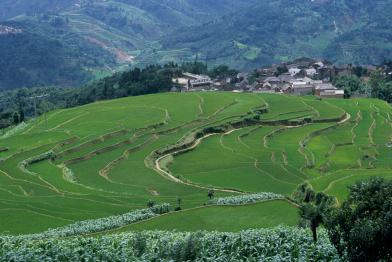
{"x":112,"y":157}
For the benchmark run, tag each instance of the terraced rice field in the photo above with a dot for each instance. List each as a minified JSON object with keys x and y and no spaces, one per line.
{"x":222,"y":218}
{"x":112,"y":157}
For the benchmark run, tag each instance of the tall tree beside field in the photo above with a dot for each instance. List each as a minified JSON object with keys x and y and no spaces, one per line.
{"x":179,"y":201}
{"x":381,"y":85}
{"x":211,"y":194}
{"x":314,"y":207}
{"x":317,"y":211}
{"x":362,"y":226}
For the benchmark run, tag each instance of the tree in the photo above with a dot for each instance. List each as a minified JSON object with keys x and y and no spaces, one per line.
{"x":281,"y":70}
{"x":304,"y":193}
{"x":314,"y":207}
{"x":222,"y":71}
{"x":211,"y":194}
{"x":381,"y":86}
{"x":351,"y":84}
{"x":194,"y":68}
{"x":377,"y":80}
{"x":360,"y":71}
{"x":317,"y":212}
{"x":385,"y":92}
{"x":16,"y":118}
{"x":150,"y":203}
{"x":21,"y":114}
{"x":362,"y":226}
{"x":179,"y":200}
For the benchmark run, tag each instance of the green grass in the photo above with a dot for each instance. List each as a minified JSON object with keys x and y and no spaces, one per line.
{"x":324,"y":109}
{"x":115,"y":172}
{"x":223,"y":218}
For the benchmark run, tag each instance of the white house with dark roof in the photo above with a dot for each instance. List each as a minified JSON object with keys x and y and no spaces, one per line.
{"x":302,"y":89}
{"x":197,"y":82}
{"x":286,"y":78}
{"x":319,"y":88}
{"x":272,"y":80}
{"x":332,"y":94}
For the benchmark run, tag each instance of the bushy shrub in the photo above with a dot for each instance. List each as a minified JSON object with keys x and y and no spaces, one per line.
{"x":38,"y":158}
{"x":245,"y":199}
{"x":101,"y":224}
{"x":161,"y":209}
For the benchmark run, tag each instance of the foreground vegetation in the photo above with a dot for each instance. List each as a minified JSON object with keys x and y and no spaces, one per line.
{"x":361,"y":227}
{"x":359,"y":230}
{"x":280,"y":244}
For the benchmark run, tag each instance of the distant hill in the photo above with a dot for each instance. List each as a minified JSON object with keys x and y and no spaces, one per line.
{"x":12,"y":8}
{"x":46,"y":55}
{"x":97,"y":37}
{"x":272,"y":31}
{"x":73,"y":41}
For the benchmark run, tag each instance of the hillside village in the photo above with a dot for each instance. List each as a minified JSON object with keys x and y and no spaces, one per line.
{"x":301,"y":77}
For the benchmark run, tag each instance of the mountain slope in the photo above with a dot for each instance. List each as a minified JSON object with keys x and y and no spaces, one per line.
{"x":370,"y":41}
{"x":46,"y":55}
{"x":97,"y":36}
{"x":12,"y":8}
{"x":280,"y":30}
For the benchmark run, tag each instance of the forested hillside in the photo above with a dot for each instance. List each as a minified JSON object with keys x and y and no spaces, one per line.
{"x":343,"y":31}
{"x":72,"y":42}
{"x":39,"y":54}
{"x":12,"y":8}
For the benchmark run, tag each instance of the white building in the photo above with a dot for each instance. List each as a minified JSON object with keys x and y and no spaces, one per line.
{"x":197,"y":82}
{"x":311,"y":72}
{"x":294,"y":71}
{"x":319,"y":88}
{"x":332,"y":94}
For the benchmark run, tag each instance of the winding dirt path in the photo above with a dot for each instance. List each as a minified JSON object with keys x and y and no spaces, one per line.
{"x":168,"y":175}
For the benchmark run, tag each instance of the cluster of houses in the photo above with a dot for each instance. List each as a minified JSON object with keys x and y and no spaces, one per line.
{"x":289,"y":84}
{"x":5,"y":30}
{"x":306,"y":77}
{"x":302,"y":78}
{"x":284,"y":83}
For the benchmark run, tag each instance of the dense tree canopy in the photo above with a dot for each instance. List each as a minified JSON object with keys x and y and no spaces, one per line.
{"x":362,"y":226}
{"x":376,"y":84}
{"x":351,"y":84}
